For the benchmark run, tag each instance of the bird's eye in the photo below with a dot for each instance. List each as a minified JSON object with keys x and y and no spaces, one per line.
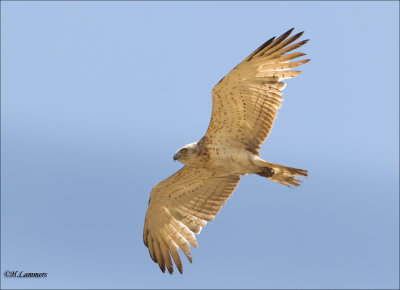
{"x":184,"y":151}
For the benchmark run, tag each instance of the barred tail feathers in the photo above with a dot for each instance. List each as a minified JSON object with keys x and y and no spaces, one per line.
{"x":282,"y":174}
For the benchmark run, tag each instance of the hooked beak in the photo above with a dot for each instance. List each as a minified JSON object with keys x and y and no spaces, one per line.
{"x":175,"y":157}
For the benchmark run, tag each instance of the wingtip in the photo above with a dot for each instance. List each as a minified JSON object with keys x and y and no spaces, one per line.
{"x":299,"y":34}
{"x":162,"y":268}
{"x":301,"y":43}
{"x":286,"y":34}
{"x":290,"y":30}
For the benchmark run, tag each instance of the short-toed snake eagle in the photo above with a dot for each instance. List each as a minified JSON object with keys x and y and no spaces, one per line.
{"x":245,"y":104}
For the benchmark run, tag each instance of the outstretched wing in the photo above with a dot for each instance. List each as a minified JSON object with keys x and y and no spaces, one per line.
{"x":179,"y":207}
{"x":246,"y":101}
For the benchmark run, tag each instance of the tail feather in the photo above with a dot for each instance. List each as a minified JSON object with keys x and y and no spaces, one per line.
{"x":282,"y":174}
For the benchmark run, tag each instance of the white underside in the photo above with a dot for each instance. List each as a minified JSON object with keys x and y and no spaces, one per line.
{"x":238,"y":162}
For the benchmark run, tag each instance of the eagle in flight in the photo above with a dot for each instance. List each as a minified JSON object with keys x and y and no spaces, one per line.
{"x":244,"y":106}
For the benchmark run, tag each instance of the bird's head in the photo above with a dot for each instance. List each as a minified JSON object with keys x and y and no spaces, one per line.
{"x":186,"y":153}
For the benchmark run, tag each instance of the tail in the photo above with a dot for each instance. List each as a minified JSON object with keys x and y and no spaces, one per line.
{"x":282,"y":174}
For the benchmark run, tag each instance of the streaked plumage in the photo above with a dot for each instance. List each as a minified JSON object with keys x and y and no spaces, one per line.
{"x":245,"y":104}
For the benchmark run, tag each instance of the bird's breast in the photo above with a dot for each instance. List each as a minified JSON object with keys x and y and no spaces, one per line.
{"x":232,"y":160}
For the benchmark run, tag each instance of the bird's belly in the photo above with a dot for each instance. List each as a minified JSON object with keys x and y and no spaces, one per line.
{"x":233,"y":161}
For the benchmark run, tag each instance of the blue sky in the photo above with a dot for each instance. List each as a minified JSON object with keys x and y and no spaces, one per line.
{"x":97,"y":96}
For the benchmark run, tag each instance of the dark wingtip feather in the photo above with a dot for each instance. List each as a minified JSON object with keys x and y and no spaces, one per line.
{"x":298,"y":35}
{"x":286,"y":34}
{"x":301,"y":43}
{"x":289,"y":31}
{"x":262,"y":46}
{"x":162,"y":267}
{"x":273,"y":42}
{"x":278,"y":41}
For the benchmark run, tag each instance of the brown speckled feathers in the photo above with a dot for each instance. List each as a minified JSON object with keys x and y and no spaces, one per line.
{"x":246,"y":101}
